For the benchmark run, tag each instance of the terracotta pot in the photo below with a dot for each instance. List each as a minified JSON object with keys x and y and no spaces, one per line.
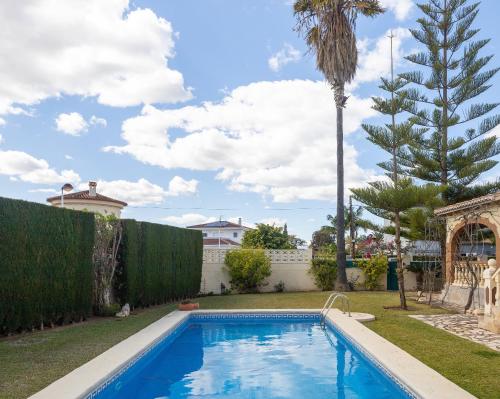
{"x":188,"y":306}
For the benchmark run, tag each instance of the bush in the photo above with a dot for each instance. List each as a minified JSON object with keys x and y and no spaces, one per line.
{"x":324,"y":272}
{"x":280,"y":287}
{"x":158,"y":263}
{"x":45,"y":265}
{"x":373,"y":268}
{"x":248,"y":268}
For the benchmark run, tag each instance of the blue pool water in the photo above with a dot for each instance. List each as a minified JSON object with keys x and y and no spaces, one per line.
{"x":268,"y":358}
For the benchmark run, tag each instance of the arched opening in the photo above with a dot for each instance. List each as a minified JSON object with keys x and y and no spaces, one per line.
{"x":470,"y":248}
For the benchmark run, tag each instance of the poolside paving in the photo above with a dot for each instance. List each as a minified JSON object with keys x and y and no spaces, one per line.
{"x":463,"y":325}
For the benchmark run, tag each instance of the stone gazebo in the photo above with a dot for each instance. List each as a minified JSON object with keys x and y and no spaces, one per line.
{"x":472,"y":235}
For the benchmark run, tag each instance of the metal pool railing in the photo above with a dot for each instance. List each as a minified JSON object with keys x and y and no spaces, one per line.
{"x":330,"y":302}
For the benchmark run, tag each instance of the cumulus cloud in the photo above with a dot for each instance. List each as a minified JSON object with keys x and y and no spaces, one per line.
{"x":374,"y":59}
{"x":283,"y":57}
{"x":273,"y":221}
{"x":72,"y":124}
{"x":189,"y":219}
{"x":94,"y":120}
{"x":273,"y":138}
{"x":400,"y":8}
{"x":143,"y":192}
{"x":91,"y":48}
{"x":69,"y":157}
{"x":22,"y":166}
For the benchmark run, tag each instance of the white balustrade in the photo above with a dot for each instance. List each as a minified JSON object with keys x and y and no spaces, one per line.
{"x":216,"y":255}
{"x":463,"y":273}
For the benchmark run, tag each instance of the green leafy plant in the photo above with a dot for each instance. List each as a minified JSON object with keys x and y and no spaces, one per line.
{"x":280,"y":287}
{"x":373,"y":268}
{"x":324,"y":272}
{"x":248,"y":269}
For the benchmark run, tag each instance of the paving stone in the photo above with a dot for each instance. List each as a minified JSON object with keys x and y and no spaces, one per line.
{"x":465,"y":326}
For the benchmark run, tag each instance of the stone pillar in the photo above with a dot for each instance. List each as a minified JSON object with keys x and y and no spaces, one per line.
{"x":491,"y":319}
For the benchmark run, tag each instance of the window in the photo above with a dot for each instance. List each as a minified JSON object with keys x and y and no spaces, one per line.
{"x":235,"y":234}
{"x":204,"y":234}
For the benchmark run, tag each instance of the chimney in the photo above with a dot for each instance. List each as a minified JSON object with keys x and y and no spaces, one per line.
{"x":239,"y":221}
{"x":92,"y":188}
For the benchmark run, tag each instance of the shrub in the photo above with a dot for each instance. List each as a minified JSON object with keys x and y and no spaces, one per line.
{"x":248,"y":268}
{"x":373,"y":268}
{"x":324,"y":272}
{"x":280,"y":287}
{"x":45,"y":265}
{"x":158,"y":263}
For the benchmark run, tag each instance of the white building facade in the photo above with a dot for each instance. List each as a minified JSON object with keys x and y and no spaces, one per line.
{"x":221,"y":234}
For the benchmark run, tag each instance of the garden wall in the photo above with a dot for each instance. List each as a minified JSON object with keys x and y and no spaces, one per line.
{"x":288,"y":265}
{"x":45,"y":265}
{"x":158,"y":263}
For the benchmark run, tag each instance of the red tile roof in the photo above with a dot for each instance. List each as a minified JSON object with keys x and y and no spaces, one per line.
{"x":84,"y":195}
{"x":223,"y":241}
{"x":459,"y":206}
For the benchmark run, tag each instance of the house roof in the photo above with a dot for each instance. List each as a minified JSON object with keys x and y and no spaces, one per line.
{"x":223,"y":241}
{"x":84,"y":195}
{"x":223,"y":224}
{"x":459,"y":206}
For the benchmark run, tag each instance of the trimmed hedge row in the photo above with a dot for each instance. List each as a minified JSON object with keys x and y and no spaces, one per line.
{"x":158,"y":263}
{"x":45,"y":265}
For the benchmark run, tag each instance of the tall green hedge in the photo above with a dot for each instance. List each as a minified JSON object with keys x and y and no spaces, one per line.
{"x":158,"y":263}
{"x":45,"y":265}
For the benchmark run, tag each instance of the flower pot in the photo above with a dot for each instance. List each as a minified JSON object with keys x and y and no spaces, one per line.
{"x":188,"y":306}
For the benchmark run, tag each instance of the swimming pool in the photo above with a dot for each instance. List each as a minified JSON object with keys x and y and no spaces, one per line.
{"x":261,"y":353}
{"x":244,"y":356}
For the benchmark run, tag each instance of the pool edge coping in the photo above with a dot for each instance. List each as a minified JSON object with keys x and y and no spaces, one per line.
{"x":418,"y":378}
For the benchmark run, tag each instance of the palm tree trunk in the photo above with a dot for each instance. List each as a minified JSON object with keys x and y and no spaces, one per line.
{"x":341,"y":283}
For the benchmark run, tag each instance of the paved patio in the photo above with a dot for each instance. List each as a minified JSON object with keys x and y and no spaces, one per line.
{"x":464,"y":326}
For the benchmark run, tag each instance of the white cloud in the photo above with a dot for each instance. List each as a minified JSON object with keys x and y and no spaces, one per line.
{"x":90,"y":48}
{"x":2,"y":122}
{"x":283,"y":57}
{"x":188,"y":219}
{"x":23,"y":166}
{"x":273,"y":138}
{"x":179,"y":186}
{"x":1,"y":139}
{"x":143,"y":192}
{"x":273,"y":221}
{"x":44,"y":190}
{"x":68,"y":157}
{"x":374,"y":59}
{"x":94,"y":120}
{"x":72,"y":124}
{"x":400,"y":8}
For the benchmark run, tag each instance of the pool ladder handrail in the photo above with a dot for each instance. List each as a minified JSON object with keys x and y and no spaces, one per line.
{"x":330,"y":302}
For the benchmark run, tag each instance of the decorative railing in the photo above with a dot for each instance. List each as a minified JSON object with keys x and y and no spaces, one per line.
{"x":216,"y":255}
{"x":463,"y":273}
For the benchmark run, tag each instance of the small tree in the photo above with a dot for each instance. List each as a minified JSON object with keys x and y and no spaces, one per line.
{"x":373,"y":269}
{"x":248,"y":269}
{"x":265,"y":236}
{"x":108,"y":236}
{"x":324,"y":273}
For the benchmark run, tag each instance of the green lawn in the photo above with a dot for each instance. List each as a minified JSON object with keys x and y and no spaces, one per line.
{"x":31,"y":361}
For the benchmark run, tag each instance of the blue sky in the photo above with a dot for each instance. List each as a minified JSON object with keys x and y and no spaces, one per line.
{"x":189,"y":110}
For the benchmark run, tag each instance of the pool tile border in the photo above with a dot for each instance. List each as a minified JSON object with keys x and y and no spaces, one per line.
{"x":85,"y":383}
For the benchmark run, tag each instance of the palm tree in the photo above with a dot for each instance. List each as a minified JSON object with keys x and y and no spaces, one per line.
{"x":357,"y":223}
{"x":328,"y":27}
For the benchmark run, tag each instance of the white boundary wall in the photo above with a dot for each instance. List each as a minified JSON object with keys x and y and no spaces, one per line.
{"x":288,"y":265}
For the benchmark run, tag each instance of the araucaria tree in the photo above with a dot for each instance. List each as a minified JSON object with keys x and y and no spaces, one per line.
{"x":450,"y":75}
{"x":389,"y":199}
{"x":329,"y":30}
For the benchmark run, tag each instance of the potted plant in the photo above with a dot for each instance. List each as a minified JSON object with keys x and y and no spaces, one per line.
{"x":188,"y":305}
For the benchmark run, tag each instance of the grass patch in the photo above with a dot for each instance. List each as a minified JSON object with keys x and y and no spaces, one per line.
{"x":32,"y":361}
